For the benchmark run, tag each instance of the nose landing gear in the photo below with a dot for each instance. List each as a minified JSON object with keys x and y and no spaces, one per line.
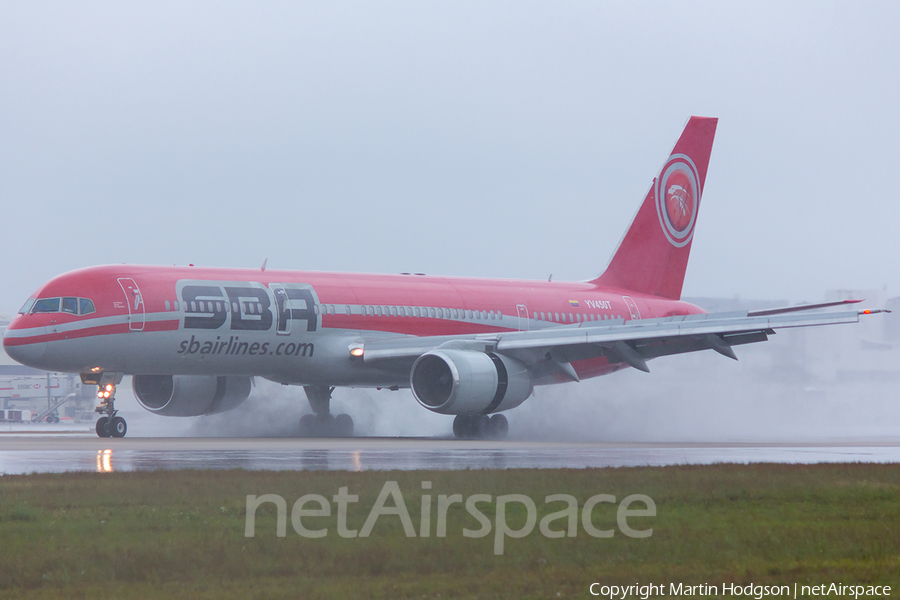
{"x":109,"y":425}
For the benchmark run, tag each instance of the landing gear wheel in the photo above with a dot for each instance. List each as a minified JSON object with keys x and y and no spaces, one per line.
{"x":470,"y":427}
{"x":464,"y":426}
{"x":481,"y":427}
{"x":321,"y":423}
{"x":102,"y":427}
{"x":119,"y":427}
{"x":343,"y":426}
{"x":109,"y":425}
{"x":324,"y":424}
{"x":499,"y":427}
{"x":307,"y":425}
{"x":459,"y":426}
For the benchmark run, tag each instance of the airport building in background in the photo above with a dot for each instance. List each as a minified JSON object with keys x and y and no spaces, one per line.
{"x":28,"y":394}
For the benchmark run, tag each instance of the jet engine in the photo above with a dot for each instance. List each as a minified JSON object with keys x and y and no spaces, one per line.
{"x":189,"y":395}
{"x":456,"y":382}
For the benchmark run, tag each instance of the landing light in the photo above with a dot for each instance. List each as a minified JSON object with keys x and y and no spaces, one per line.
{"x":357,"y":351}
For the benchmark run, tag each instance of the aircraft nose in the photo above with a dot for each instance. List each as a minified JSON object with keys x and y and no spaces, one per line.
{"x":27,"y":354}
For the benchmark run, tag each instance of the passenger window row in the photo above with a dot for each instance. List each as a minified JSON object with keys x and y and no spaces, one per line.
{"x":572,"y":317}
{"x":331,"y":309}
{"x":217,"y":306}
{"x":209,"y":306}
{"x":431,"y":312}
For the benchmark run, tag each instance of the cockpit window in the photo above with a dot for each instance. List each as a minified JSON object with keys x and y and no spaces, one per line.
{"x":46,"y":305}
{"x":70,"y":305}
{"x":73,"y":306}
{"x":87,"y":306}
{"x":25,"y":309}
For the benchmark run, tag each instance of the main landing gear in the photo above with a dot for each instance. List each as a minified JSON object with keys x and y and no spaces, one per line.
{"x":109,"y":425}
{"x":480,"y":427}
{"x":321,"y":423}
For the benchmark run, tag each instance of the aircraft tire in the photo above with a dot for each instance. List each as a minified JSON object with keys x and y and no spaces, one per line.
{"x":343,"y":425}
{"x":119,"y":427}
{"x":481,"y":427}
{"x":473,"y":427}
{"x":459,"y":426}
{"x":324,"y":426}
{"x":499,"y":427}
{"x":307,"y":425}
{"x":102,"y":427}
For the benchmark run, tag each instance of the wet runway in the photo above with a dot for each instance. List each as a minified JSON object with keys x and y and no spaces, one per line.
{"x":34,"y":452}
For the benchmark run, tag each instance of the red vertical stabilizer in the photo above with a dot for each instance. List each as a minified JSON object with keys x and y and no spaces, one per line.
{"x":653,"y":255}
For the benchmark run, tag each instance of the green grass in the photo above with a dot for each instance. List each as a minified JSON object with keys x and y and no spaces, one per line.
{"x":180,"y":534}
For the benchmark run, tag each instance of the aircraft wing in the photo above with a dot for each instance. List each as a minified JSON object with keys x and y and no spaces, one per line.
{"x":632,"y":342}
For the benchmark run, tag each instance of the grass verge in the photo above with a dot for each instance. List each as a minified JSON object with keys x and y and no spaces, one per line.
{"x":181,"y":534}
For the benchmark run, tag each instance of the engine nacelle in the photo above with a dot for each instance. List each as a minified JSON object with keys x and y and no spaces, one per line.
{"x":456,"y":382}
{"x":189,"y":395}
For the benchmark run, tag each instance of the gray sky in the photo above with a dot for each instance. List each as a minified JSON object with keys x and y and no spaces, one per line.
{"x":502,"y":140}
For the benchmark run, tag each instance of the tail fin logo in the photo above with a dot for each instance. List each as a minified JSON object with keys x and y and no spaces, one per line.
{"x":677,"y":199}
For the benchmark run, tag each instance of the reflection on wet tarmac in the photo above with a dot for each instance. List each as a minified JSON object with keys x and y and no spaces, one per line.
{"x":104,"y":461}
{"x":140,"y":454}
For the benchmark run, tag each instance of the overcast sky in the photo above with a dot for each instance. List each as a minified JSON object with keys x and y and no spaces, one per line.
{"x":488,"y":139}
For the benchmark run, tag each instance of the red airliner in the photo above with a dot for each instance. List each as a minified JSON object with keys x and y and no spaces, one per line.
{"x":193,"y":338}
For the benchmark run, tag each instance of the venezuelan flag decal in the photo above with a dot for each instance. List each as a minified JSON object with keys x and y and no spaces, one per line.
{"x":573,"y":303}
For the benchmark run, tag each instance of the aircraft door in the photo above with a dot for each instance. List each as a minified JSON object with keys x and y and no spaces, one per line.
{"x":135,"y":303}
{"x":632,"y":307}
{"x":282,"y":309}
{"x":523,"y":317}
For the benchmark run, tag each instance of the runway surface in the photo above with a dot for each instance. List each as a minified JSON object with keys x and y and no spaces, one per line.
{"x":29,"y":452}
